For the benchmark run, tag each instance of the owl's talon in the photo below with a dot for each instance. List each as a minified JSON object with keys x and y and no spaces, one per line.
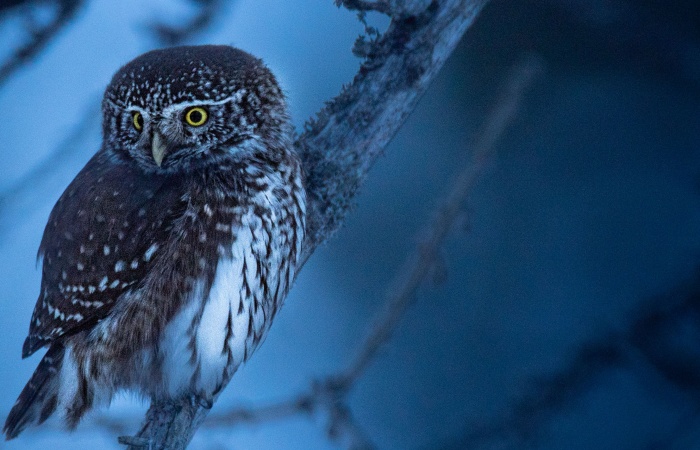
{"x":200,"y":400}
{"x":205,"y":402}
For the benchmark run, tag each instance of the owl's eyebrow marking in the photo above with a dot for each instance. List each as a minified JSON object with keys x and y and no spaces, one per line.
{"x":236,"y":96}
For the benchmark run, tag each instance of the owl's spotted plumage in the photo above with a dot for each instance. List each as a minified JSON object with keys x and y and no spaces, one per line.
{"x":167,"y":257}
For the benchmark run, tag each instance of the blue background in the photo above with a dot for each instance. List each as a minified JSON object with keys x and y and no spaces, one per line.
{"x":587,"y":216}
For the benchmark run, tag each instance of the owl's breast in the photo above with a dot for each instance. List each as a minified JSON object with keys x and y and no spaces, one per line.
{"x":226,"y":316}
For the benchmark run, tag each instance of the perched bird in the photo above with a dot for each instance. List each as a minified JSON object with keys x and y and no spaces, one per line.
{"x":168,"y":256}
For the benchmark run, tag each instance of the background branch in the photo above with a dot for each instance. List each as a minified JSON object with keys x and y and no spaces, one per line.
{"x":423,"y":262}
{"x":206,"y":12}
{"x":39,"y":37}
{"x":658,"y":344}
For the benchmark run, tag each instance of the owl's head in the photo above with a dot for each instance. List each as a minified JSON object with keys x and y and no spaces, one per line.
{"x":182,"y":108}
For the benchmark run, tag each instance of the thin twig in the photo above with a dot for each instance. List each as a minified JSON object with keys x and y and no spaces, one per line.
{"x":270,"y":413}
{"x":40,"y":38}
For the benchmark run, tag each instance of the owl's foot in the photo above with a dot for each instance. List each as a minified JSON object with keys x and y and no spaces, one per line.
{"x":206,"y":403}
{"x":202,"y":400}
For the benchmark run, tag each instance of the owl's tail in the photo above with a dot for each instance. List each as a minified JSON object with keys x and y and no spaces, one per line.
{"x":39,"y":397}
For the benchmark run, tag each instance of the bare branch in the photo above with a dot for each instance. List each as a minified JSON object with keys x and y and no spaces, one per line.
{"x":342,"y":424}
{"x":10,"y":4}
{"x":340,"y":146}
{"x":277,"y":411}
{"x":326,"y":397}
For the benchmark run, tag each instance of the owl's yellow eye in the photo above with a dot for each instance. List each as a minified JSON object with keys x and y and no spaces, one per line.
{"x":196,"y":116}
{"x":137,"y":120}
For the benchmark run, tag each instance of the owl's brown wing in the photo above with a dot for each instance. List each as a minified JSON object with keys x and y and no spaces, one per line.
{"x":100,"y":242}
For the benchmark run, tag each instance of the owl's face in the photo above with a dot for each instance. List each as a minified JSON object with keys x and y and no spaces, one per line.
{"x":183,"y":108}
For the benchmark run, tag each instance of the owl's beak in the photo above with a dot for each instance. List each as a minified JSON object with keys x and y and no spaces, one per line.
{"x":158,"y":148}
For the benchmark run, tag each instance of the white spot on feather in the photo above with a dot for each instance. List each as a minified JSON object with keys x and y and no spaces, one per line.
{"x":223,"y":227}
{"x":103,"y":283}
{"x":149,"y":253}
{"x":77,"y":317}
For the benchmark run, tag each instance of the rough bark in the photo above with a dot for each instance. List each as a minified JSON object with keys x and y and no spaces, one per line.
{"x":340,"y":146}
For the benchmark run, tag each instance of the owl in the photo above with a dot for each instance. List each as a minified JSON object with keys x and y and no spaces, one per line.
{"x":168,"y":256}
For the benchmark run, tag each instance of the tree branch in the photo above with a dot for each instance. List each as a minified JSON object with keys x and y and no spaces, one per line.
{"x":342,"y":144}
{"x":420,"y":265}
